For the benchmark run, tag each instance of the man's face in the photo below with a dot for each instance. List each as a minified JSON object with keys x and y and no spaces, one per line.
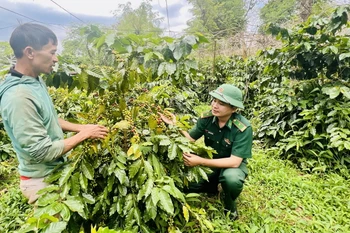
{"x":221,"y":109}
{"x":44,"y":59}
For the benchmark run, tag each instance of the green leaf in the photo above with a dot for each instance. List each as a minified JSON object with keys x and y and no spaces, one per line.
{"x":65,"y":213}
{"x":166,"y":202}
{"x":55,"y":227}
{"x":345,"y":91}
{"x":173,"y":191}
{"x":148,"y":56}
{"x":88,"y":198}
{"x":74,"y":204}
{"x":170,"y":68}
{"x":151,"y":208}
{"x":123,"y":125}
{"x":161,"y":68}
{"x":201,"y":38}
{"x":47,"y":199}
{"x":145,"y":229}
{"x":334,"y":49}
{"x":333,"y":92}
{"x":159,"y":55}
{"x":203,"y":174}
{"x":165,"y":142}
{"x":307,"y":46}
{"x":66,"y":173}
{"x":347,"y":145}
{"x":190,"y":40}
{"x":83,"y":80}
{"x":65,"y":189}
{"x":178,"y":52}
{"x":148,"y":168}
{"x":134,"y":168}
{"x":53,"y":177}
{"x":83,"y":182}
{"x":191,"y":195}
{"x":146,"y":189}
{"x":191,"y":64}
{"x":155,"y":195}
{"x":177,"y":193}
{"x":74,"y":183}
{"x":157,"y":166}
{"x":129,"y":202}
{"x":172,"y":151}
{"x":48,"y":189}
{"x":121,"y":175}
{"x":343,"y":56}
{"x":137,"y":216}
{"x":208,"y":225}
{"x":109,"y":39}
{"x":152,"y":122}
{"x":113,"y":208}
{"x":185,"y":213}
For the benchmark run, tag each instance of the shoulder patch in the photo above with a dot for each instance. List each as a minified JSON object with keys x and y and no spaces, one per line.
{"x":239,"y":125}
{"x":206,"y":114}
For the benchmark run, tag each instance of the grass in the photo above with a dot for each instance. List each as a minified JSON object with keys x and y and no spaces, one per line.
{"x":13,"y":206}
{"x":277,"y":197}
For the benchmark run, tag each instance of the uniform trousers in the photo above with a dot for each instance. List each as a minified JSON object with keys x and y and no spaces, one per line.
{"x":231,"y":180}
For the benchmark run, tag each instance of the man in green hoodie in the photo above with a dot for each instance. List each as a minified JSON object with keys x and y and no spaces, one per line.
{"x":28,"y":114}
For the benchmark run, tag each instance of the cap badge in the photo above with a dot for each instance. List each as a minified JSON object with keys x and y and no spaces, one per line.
{"x":221,"y":90}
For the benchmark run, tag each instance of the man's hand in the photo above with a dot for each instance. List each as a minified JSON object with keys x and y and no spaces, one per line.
{"x":85,"y":132}
{"x":93,"y":131}
{"x":167,"y":120}
{"x":192,"y":160}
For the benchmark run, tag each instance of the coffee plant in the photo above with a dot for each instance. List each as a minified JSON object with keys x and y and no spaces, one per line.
{"x":132,"y":180}
{"x":297,"y":96}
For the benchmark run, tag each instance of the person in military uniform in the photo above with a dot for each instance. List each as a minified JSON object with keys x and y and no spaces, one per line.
{"x":231,"y":135}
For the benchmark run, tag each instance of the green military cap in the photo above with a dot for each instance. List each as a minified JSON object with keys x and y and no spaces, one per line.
{"x":230,"y":94}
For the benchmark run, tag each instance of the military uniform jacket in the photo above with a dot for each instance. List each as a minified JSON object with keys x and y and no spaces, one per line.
{"x":235,"y":138}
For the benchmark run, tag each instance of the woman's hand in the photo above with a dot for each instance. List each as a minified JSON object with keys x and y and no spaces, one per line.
{"x":191,"y":160}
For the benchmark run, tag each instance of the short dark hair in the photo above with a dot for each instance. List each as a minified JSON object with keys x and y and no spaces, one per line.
{"x":30,"y":34}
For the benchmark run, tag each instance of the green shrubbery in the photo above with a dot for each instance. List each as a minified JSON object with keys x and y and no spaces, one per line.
{"x":298,"y":96}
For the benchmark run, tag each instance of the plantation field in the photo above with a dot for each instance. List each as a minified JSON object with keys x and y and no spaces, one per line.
{"x":277,"y":198}
{"x":296,"y":98}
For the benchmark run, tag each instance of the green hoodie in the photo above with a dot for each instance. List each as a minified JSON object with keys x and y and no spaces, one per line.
{"x":31,"y":121}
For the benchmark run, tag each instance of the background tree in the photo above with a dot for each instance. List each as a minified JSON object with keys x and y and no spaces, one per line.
{"x":282,"y":12}
{"x":277,"y":11}
{"x":79,"y":47}
{"x":219,"y":18}
{"x":141,"y":20}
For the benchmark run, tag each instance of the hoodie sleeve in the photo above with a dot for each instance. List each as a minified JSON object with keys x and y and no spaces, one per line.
{"x":23,"y":116}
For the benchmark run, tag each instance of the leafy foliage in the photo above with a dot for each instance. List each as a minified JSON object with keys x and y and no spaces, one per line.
{"x":284,"y":13}
{"x":218,"y":18}
{"x":132,"y":180}
{"x":299,"y":94}
{"x":14,"y":208}
{"x":7,"y":57}
{"x":277,"y":197}
{"x":138,"y":21}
